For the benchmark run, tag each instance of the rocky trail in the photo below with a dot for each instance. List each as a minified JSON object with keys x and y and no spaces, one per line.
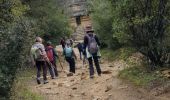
{"x":81,"y":87}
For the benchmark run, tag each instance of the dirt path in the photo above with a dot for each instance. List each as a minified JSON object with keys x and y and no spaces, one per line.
{"x":81,"y":87}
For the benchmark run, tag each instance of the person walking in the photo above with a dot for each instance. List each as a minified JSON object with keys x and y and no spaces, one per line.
{"x":39,"y":57}
{"x":80,"y":49}
{"x":62,"y":42}
{"x":91,"y":47}
{"x":52,"y":55}
{"x":69,"y":56}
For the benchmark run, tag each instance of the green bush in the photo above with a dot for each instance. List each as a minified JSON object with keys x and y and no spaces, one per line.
{"x":141,"y":24}
{"x":140,"y":76}
{"x":21,"y":89}
{"x":20,"y":22}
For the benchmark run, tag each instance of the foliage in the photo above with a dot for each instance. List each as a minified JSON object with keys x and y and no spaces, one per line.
{"x":20,"y":89}
{"x":102,"y":19}
{"x":141,"y":24}
{"x":146,"y":24}
{"x":18,"y":29}
{"x":119,"y":54}
{"x":140,"y":77}
{"x":51,"y":22}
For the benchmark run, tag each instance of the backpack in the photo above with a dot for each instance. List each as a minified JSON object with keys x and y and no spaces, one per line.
{"x":36,"y":52}
{"x":50,"y":54}
{"x":92,"y":44}
{"x":68,"y":51}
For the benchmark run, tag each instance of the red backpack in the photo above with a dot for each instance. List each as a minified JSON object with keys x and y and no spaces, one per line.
{"x":50,"y":53}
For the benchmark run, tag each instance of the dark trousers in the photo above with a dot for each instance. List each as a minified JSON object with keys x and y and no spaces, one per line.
{"x":71,"y":62}
{"x":96,"y":61}
{"x":41,"y":65}
{"x":53,"y":69}
{"x":80,"y":52}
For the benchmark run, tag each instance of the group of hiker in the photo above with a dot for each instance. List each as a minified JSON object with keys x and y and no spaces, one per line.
{"x":44,"y":57}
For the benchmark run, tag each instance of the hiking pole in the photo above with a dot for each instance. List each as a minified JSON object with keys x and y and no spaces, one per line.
{"x":52,"y":67}
{"x":60,"y":63}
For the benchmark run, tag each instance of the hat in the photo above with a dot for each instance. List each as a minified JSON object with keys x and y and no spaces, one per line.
{"x":89,"y":28}
{"x":38,"y":39}
{"x":49,"y":43}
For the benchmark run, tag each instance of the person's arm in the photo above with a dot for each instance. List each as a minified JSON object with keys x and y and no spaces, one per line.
{"x":85,"y":42}
{"x":55,"y":52}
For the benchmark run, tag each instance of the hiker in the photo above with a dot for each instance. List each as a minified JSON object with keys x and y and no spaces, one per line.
{"x":62,"y":42}
{"x":69,"y":56}
{"x":84,"y":54}
{"x":52,"y":55}
{"x":91,"y":47}
{"x":80,"y":49}
{"x":39,"y":57}
{"x":71,"y":42}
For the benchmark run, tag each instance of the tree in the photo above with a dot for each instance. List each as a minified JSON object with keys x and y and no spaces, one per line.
{"x":102,"y":18}
{"x":143,"y":24}
{"x":52,"y":23}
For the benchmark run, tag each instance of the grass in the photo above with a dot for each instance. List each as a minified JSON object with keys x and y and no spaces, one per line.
{"x":122,"y":53}
{"x":20,"y":90}
{"x":141,"y":77}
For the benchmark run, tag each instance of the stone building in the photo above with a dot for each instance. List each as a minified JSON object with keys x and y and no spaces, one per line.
{"x":78,"y":13}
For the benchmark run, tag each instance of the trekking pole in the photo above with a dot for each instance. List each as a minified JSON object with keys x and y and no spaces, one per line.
{"x":52,"y":67}
{"x":60,"y":63}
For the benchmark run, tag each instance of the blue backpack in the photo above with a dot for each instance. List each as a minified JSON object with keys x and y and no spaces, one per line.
{"x":68,"y":51}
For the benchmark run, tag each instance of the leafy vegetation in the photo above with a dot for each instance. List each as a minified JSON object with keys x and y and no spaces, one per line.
{"x":141,"y":77}
{"x":51,"y":22}
{"x":141,"y":24}
{"x":21,"y":21}
{"x":20,"y":89}
{"x":119,"y":54}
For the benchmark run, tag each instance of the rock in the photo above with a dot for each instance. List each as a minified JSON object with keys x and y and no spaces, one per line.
{"x":69,"y":74}
{"x":83,"y":76}
{"x":96,"y":82}
{"x":166,"y":73}
{"x":106,"y":72}
{"x":60,"y":84}
{"x":71,"y":95}
{"x":83,"y":93}
{"x":74,"y":88}
{"x":72,"y":80}
{"x":123,"y":87}
{"x":108,"y":88}
{"x":54,"y":83}
{"x":110,"y":66}
{"x":95,"y":98}
{"x":48,"y":88}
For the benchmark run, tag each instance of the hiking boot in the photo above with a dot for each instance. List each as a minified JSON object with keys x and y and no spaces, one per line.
{"x":45,"y":82}
{"x":53,"y":78}
{"x":56,"y":75}
{"x":38,"y":81}
{"x":91,"y":76}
